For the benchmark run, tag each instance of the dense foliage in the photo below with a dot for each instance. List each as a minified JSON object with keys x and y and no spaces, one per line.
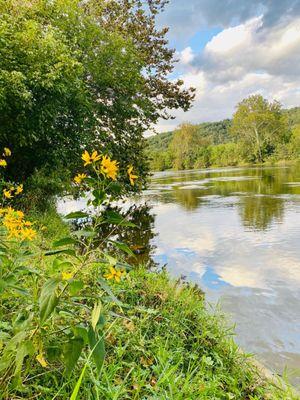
{"x":82,"y":74}
{"x":259,"y":132}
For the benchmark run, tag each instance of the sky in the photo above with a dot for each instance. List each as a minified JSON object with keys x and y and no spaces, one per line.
{"x":230,"y":49}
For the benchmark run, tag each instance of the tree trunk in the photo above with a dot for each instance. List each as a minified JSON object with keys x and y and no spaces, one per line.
{"x":258,"y":145}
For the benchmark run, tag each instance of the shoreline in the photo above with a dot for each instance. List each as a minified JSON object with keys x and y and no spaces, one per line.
{"x":280,"y":163}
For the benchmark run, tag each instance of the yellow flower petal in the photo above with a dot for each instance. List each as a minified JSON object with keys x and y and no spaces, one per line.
{"x":131,"y":176}
{"x":65,"y":276}
{"x":19,"y":189}
{"x":86,"y":158}
{"x":109,"y":168}
{"x":28,"y":233}
{"x":7,"y":193}
{"x":79,"y":178}
{"x":40,"y":358}
{"x":7,"y":152}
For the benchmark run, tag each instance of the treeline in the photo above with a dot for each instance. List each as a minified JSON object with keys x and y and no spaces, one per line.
{"x":260,"y":131}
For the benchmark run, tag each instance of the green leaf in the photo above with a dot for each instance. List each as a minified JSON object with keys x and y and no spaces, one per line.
{"x":59,"y":265}
{"x":48,"y":299}
{"x":10,"y":349}
{"x":123,"y":247}
{"x":78,"y":383}
{"x":70,"y":252}
{"x":99,"y":197}
{"x":3,"y":285}
{"x":97,"y":347}
{"x":113,"y":217}
{"x":76,"y":215}
{"x":81,"y":331}
{"x":72,"y":351}
{"x":84,"y":233}
{"x":19,"y":289}
{"x":64,"y":242}
{"x":26,"y":348}
{"x":96,"y":314}
{"x":115,"y":187}
{"x":75,"y":287}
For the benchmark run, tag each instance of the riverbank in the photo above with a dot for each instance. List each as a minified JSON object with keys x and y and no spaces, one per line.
{"x":161,"y":343}
{"x":279,"y":163}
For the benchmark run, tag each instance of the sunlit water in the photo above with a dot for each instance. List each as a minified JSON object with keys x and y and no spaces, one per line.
{"x":235,"y":232}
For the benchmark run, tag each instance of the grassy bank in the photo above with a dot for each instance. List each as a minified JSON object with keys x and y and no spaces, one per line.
{"x":160,"y":341}
{"x":269,"y":163}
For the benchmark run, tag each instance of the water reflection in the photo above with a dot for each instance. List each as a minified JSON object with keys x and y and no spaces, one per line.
{"x":139,"y":238}
{"x":259,"y":211}
{"x":236,"y":233}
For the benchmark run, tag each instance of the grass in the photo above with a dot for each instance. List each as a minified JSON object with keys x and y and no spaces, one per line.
{"x":161,"y":343}
{"x":167,"y":346}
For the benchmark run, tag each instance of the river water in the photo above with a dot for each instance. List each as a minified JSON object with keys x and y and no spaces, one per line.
{"x":236,"y":233}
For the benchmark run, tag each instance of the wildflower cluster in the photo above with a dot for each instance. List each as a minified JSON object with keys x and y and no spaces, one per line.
{"x":9,"y":190}
{"x":6,"y":153}
{"x":12,"y":191}
{"x":105,"y":166}
{"x":114,"y":274}
{"x":15,"y":224}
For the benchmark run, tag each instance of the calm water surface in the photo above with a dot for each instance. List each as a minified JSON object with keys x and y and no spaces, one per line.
{"x":236,"y":233}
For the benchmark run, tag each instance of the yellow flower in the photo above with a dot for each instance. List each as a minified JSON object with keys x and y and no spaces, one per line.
{"x":79,"y":178}
{"x":19,"y":214}
{"x":28,"y":233}
{"x":19,"y":189}
{"x":13,"y":221}
{"x":131,"y":176}
{"x":17,"y":227}
{"x":7,"y":152}
{"x":7,"y":193}
{"x":65,"y":276}
{"x":109,"y":167}
{"x":40,"y":358}
{"x":3,"y":163}
{"x":114,"y":274}
{"x":89,"y":159}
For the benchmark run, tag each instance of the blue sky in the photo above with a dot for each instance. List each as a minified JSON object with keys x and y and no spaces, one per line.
{"x":231,"y":49}
{"x":197,"y":41}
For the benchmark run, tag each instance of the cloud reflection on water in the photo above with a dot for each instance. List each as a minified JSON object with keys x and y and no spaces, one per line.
{"x":239,"y":240}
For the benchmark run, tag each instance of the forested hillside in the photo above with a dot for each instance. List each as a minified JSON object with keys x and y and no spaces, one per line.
{"x":215,"y":144}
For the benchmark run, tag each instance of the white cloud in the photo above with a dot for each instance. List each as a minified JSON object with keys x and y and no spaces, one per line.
{"x":233,"y":39}
{"x":185,"y":18}
{"x":238,"y":62}
{"x":186,"y":56}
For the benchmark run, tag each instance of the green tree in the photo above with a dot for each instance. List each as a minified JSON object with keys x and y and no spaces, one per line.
{"x":184,"y":146}
{"x":260,"y":125}
{"x":82,"y":74}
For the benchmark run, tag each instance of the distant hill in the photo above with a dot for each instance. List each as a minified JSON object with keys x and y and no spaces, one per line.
{"x":293,"y":115}
{"x":216,"y":132}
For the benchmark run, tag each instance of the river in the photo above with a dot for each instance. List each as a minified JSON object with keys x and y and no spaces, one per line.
{"x":236,"y":233}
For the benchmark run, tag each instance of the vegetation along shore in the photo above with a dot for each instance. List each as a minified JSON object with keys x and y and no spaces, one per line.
{"x":260,"y":132}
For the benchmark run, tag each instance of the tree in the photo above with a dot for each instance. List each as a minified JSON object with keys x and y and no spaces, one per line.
{"x":82,"y":74}
{"x":185,"y":144}
{"x":260,"y":125}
